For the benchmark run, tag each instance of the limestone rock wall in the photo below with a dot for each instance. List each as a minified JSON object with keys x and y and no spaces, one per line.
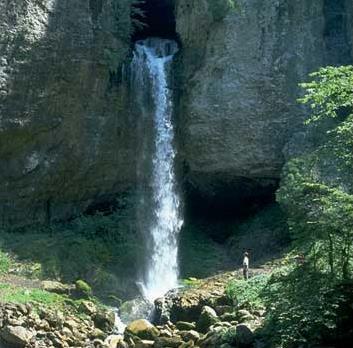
{"x":239,"y":83}
{"x":65,"y":135}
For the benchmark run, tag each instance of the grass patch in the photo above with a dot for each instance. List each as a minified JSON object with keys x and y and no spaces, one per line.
{"x":248,"y":293}
{"x":191,"y":282}
{"x":19,"y":295}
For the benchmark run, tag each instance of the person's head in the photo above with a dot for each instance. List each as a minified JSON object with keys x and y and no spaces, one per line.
{"x":246,"y":253}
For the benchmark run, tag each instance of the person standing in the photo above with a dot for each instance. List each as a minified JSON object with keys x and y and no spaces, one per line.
{"x":246,"y":266}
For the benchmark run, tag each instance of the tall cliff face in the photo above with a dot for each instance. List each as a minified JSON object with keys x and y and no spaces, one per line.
{"x":65,"y":136}
{"x":240,"y":75}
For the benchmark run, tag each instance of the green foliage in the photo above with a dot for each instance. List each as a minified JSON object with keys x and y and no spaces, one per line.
{"x":191,"y":282}
{"x":329,"y":92}
{"x":302,"y":307}
{"x":247,"y":293}
{"x":304,"y":301}
{"x":320,"y":210}
{"x":82,"y":287}
{"x":103,"y":249}
{"x":4,"y":263}
{"x":330,"y":95}
{"x":13,"y":294}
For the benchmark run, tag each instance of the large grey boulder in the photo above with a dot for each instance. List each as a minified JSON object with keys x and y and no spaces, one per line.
{"x":207,"y":318}
{"x":17,"y":336}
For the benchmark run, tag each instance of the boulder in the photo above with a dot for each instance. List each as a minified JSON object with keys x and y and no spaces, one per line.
{"x":191,"y":335}
{"x":244,"y":315}
{"x":16,"y":335}
{"x":143,"y":329}
{"x":229,"y":317}
{"x":144,"y":344}
{"x":104,"y":319}
{"x":170,"y":342}
{"x":56,"y":287}
{"x":220,"y":310}
{"x":115,"y":341}
{"x":184,"y":325}
{"x":244,"y":337}
{"x":207,"y":318}
{"x":88,"y":308}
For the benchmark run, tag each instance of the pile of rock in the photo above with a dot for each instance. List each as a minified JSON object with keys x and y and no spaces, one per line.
{"x":38,"y":327}
{"x":209,"y":331}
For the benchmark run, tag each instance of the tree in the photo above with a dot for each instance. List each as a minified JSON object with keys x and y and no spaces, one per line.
{"x":316,"y":188}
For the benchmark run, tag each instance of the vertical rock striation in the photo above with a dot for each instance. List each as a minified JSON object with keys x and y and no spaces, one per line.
{"x":239,"y":83}
{"x":65,"y":139}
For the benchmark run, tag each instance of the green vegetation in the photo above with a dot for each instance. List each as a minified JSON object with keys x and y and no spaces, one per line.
{"x":83,"y":288}
{"x":319,"y":206}
{"x":102,"y":249}
{"x":14,"y":294}
{"x":191,"y":282}
{"x":308,"y":303}
{"x":247,"y":293}
{"x":4,"y":263}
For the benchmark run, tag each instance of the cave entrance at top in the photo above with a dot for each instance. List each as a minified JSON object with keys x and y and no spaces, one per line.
{"x":158,"y":19}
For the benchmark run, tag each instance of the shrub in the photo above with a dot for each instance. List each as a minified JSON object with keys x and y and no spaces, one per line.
{"x":247,"y":293}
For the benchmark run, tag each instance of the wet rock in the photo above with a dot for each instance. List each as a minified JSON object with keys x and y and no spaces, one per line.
{"x":135,"y":309}
{"x":207,"y":318}
{"x":16,"y":335}
{"x":104,"y":319}
{"x":143,"y":329}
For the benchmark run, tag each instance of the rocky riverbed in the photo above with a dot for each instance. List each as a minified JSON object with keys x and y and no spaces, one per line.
{"x":198,"y":315}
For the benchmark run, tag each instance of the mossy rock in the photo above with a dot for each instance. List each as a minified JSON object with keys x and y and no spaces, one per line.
{"x":82,"y":289}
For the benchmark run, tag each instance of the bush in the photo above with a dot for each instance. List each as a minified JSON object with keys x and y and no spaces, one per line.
{"x":4,"y":263}
{"x":247,"y":293}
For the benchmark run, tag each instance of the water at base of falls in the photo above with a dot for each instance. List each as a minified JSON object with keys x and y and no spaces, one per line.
{"x":159,"y":210}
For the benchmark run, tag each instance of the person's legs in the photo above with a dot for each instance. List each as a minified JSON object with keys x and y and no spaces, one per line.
{"x":246,"y":273}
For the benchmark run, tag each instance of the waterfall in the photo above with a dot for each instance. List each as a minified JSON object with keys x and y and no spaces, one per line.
{"x":159,"y":205}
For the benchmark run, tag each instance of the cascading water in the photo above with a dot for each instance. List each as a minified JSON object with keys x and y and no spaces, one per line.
{"x":159,"y":210}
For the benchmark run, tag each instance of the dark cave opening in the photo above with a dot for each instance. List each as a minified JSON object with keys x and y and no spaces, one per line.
{"x":222,"y":204}
{"x":158,"y":19}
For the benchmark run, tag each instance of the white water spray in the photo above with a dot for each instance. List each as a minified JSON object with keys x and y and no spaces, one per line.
{"x":150,"y":67}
